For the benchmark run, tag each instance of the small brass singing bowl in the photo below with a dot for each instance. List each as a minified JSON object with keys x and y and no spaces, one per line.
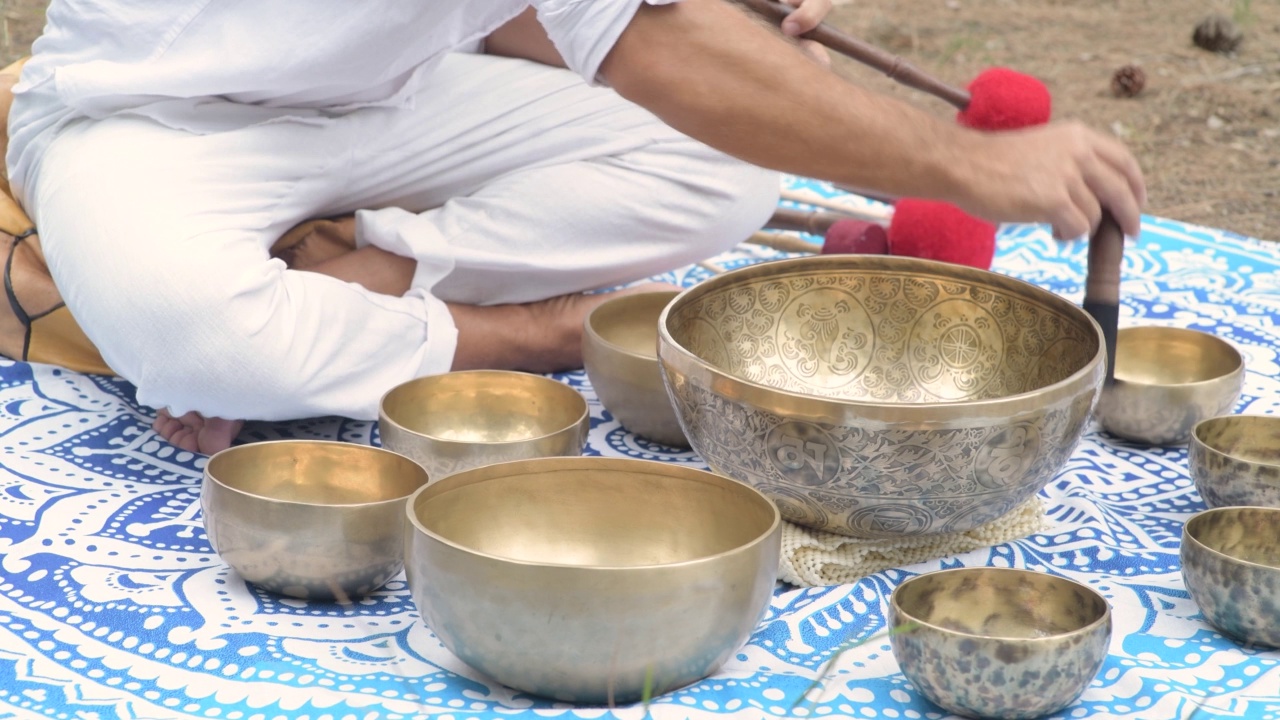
{"x":591,"y":579}
{"x":309,"y":519}
{"x":1231,"y":567}
{"x":460,"y":420}
{"x":1235,"y":460}
{"x":1167,"y":380}
{"x":620,"y":352}
{"x":877,"y":396}
{"x":999,"y":642}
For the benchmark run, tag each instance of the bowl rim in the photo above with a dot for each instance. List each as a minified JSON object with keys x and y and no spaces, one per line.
{"x":485,"y":473}
{"x":878,"y":410}
{"x":208,"y":476}
{"x":1238,"y":370}
{"x":1103,"y":619}
{"x":1247,"y":417}
{"x":590,"y":330}
{"x":584,"y":416}
{"x":1218,"y":554}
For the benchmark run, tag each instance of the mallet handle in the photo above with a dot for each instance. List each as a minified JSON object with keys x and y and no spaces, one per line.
{"x":896,"y":68}
{"x":1102,"y":283}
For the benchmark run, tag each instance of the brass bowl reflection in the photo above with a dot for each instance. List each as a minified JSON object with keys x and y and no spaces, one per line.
{"x":620,"y":352}
{"x":1231,"y":567}
{"x":880,"y":396}
{"x":311,"y":519}
{"x":999,"y":642}
{"x":1235,"y":460}
{"x":577,"y":578}
{"x":460,"y":420}
{"x":1167,"y":380}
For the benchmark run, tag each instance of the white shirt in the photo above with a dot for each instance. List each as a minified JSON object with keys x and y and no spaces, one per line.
{"x":177,"y":61}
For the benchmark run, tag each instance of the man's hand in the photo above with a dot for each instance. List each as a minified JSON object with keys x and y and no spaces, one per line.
{"x":1063,"y":174}
{"x":718,"y":76}
{"x":808,"y":14}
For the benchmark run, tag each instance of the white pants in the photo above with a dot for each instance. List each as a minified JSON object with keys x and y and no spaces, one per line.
{"x":507,"y":181}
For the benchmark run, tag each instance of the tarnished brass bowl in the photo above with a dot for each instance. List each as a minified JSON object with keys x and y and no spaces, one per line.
{"x":460,"y":420}
{"x":878,"y":396}
{"x":1231,"y":567}
{"x":577,"y":578}
{"x":1235,"y":460}
{"x":620,"y":351}
{"x":999,"y":642}
{"x":1167,"y":380}
{"x":311,"y":519}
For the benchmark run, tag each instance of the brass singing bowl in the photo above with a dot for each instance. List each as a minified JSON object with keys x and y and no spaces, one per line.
{"x":1235,"y":460}
{"x":1167,"y":380}
{"x":999,"y":642}
{"x":588,"y":579}
{"x":620,"y":352}
{"x":1231,"y":567}
{"x":460,"y":420}
{"x":310,"y":519}
{"x":879,"y":396}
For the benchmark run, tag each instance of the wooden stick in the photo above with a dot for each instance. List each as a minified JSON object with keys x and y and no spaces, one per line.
{"x":1102,"y":284}
{"x":879,"y":216}
{"x":784,"y":242}
{"x":896,"y":68}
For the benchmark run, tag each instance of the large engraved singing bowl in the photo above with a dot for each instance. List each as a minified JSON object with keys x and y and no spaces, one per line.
{"x":588,"y":579}
{"x":620,"y":355}
{"x":1168,"y":379}
{"x":1235,"y":460}
{"x":880,"y":396}
{"x":1231,"y":567}
{"x":999,"y":642}
{"x":311,"y":519}
{"x":460,"y":420}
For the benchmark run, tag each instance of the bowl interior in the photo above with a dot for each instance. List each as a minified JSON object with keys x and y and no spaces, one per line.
{"x":999,"y":603}
{"x":591,"y":512}
{"x":630,"y":323}
{"x":1252,"y":438}
{"x":1248,"y":534}
{"x":484,"y":406}
{"x":316,"y":473}
{"x":885,"y":329}
{"x":1172,"y":356}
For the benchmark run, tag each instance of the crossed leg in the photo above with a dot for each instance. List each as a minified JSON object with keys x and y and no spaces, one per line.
{"x":544,"y":336}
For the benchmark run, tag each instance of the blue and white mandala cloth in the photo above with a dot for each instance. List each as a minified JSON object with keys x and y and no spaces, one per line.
{"x":112,"y":604}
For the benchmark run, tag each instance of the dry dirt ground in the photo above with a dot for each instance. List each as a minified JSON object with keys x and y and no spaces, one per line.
{"x":1206,"y":127}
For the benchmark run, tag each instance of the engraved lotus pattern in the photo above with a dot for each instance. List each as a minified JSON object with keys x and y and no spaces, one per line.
{"x":881,"y":338}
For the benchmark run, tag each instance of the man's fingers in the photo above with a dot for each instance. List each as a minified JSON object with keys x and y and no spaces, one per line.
{"x":807,"y":16}
{"x":1119,"y":158}
{"x":1087,"y":206}
{"x":1113,"y":190}
{"x":817,"y":51}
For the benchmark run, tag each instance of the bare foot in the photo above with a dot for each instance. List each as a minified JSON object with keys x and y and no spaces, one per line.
{"x":196,"y":433}
{"x":541,"y":337}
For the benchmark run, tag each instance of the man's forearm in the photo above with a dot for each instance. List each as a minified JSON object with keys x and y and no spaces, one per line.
{"x":712,"y":72}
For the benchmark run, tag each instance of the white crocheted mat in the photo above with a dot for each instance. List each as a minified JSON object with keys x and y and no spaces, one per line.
{"x":812,"y":558}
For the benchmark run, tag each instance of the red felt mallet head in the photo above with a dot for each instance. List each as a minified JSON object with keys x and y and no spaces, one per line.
{"x":855,"y":237}
{"x":1003,"y":99}
{"x":940,"y":231}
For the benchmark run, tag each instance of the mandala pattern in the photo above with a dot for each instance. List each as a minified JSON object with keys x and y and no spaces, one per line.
{"x":112,"y":604}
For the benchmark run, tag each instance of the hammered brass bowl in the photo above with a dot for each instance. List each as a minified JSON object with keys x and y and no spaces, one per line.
{"x":310,"y":519}
{"x":1235,"y":460}
{"x":1167,"y":380}
{"x":1231,"y":567}
{"x":620,"y":352}
{"x":460,"y":420}
{"x":999,"y":642}
{"x":578,"y":578}
{"x":879,"y":396}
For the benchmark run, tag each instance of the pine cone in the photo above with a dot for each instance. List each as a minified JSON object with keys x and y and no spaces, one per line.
{"x":1128,"y":81}
{"x":1217,"y":33}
